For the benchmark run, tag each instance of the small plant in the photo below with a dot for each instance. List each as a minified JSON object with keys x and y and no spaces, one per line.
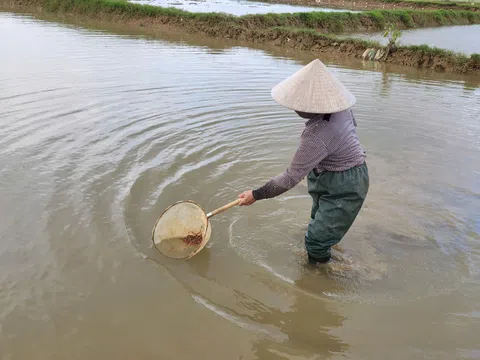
{"x":393,"y":34}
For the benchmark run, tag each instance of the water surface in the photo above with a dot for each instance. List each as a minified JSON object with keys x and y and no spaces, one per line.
{"x":464,"y":39}
{"x":233,"y":7}
{"x":100,"y":132}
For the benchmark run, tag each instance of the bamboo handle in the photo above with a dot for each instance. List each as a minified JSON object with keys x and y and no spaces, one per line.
{"x":223,"y":208}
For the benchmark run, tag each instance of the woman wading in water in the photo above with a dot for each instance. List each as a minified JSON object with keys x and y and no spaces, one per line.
{"x":329,"y":154}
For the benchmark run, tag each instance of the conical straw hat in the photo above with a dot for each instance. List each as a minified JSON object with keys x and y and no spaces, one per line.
{"x":313,"y":89}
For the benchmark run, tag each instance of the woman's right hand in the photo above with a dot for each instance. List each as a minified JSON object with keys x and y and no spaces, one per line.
{"x":247,"y":198}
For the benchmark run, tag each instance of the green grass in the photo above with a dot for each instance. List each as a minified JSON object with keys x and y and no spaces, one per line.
{"x":458,"y":61}
{"x":457,"y":58}
{"x":330,"y":37}
{"x":338,"y":22}
{"x":332,"y":22}
{"x":434,"y":51}
{"x":475,"y":61}
{"x":428,"y":4}
{"x":445,"y":4}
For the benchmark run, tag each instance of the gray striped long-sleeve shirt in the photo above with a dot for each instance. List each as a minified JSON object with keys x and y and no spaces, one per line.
{"x":325,"y":145}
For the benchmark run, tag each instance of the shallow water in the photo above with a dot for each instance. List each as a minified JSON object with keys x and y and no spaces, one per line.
{"x":233,"y":7}
{"x":99,"y":133}
{"x":464,"y":39}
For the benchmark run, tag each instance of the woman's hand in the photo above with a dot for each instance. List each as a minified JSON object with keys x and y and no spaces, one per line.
{"x":247,"y":198}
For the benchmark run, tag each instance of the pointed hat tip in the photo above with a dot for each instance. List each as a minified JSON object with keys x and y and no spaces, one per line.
{"x":316,"y":64}
{"x":317,"y":61}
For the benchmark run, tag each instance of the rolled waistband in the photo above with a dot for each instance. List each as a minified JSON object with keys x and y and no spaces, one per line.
{"x":317,"y":172}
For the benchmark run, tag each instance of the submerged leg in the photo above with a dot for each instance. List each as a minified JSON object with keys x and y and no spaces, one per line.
{"x":336,"y":210}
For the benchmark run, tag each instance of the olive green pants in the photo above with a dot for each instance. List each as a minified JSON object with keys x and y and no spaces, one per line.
{"x":337,"y":199}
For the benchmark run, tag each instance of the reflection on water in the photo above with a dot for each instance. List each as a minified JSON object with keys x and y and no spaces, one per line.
{"x":234,"y":7}
{"x":463,"y":39}
{"x":100,"y":132}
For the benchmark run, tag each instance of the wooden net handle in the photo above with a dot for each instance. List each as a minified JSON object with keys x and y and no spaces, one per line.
{"x":224,"y":207}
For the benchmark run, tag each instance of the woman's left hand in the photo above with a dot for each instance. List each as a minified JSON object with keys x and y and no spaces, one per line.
{"x":247,"y":198}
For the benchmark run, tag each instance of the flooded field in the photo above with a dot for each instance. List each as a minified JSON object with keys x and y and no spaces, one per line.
{"x":100,"y":132}
{"x":233,"y":7}
{"x":464,"y":39}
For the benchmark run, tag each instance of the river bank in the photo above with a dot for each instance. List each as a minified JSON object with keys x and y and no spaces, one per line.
{"x":383,"y":4}
{"x":461,"y":39}
{"x":325,"y":22}
{"x":299,"y":31}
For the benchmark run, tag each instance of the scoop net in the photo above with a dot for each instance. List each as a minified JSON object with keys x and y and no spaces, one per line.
{"x":181,"y":231}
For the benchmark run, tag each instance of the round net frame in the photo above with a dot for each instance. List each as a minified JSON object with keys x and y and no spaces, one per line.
{"x":181,"y":231}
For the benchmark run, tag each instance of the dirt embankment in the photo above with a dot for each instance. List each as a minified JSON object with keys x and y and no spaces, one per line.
{"x":250,"y":29}
{"x":417,"y":56}
{"x":382,"y":4}
{"x":325,"y":22}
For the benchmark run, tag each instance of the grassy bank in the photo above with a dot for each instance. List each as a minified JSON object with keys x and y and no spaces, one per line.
{"x":384,"y":4}
{"x":327,"y":22}
{"x":421,"y":56}
{"x":446,"y":5}
{"x":298,"y":31}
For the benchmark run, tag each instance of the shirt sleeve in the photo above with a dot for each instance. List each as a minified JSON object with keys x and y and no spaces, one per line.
{"x":311,"y":151}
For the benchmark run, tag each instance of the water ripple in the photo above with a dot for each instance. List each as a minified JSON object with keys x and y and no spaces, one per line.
{"x":94,"y":148}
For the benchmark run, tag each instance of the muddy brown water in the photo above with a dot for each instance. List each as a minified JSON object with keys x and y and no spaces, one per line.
{"x":100,"y":132}
{"x":464,"y":39}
